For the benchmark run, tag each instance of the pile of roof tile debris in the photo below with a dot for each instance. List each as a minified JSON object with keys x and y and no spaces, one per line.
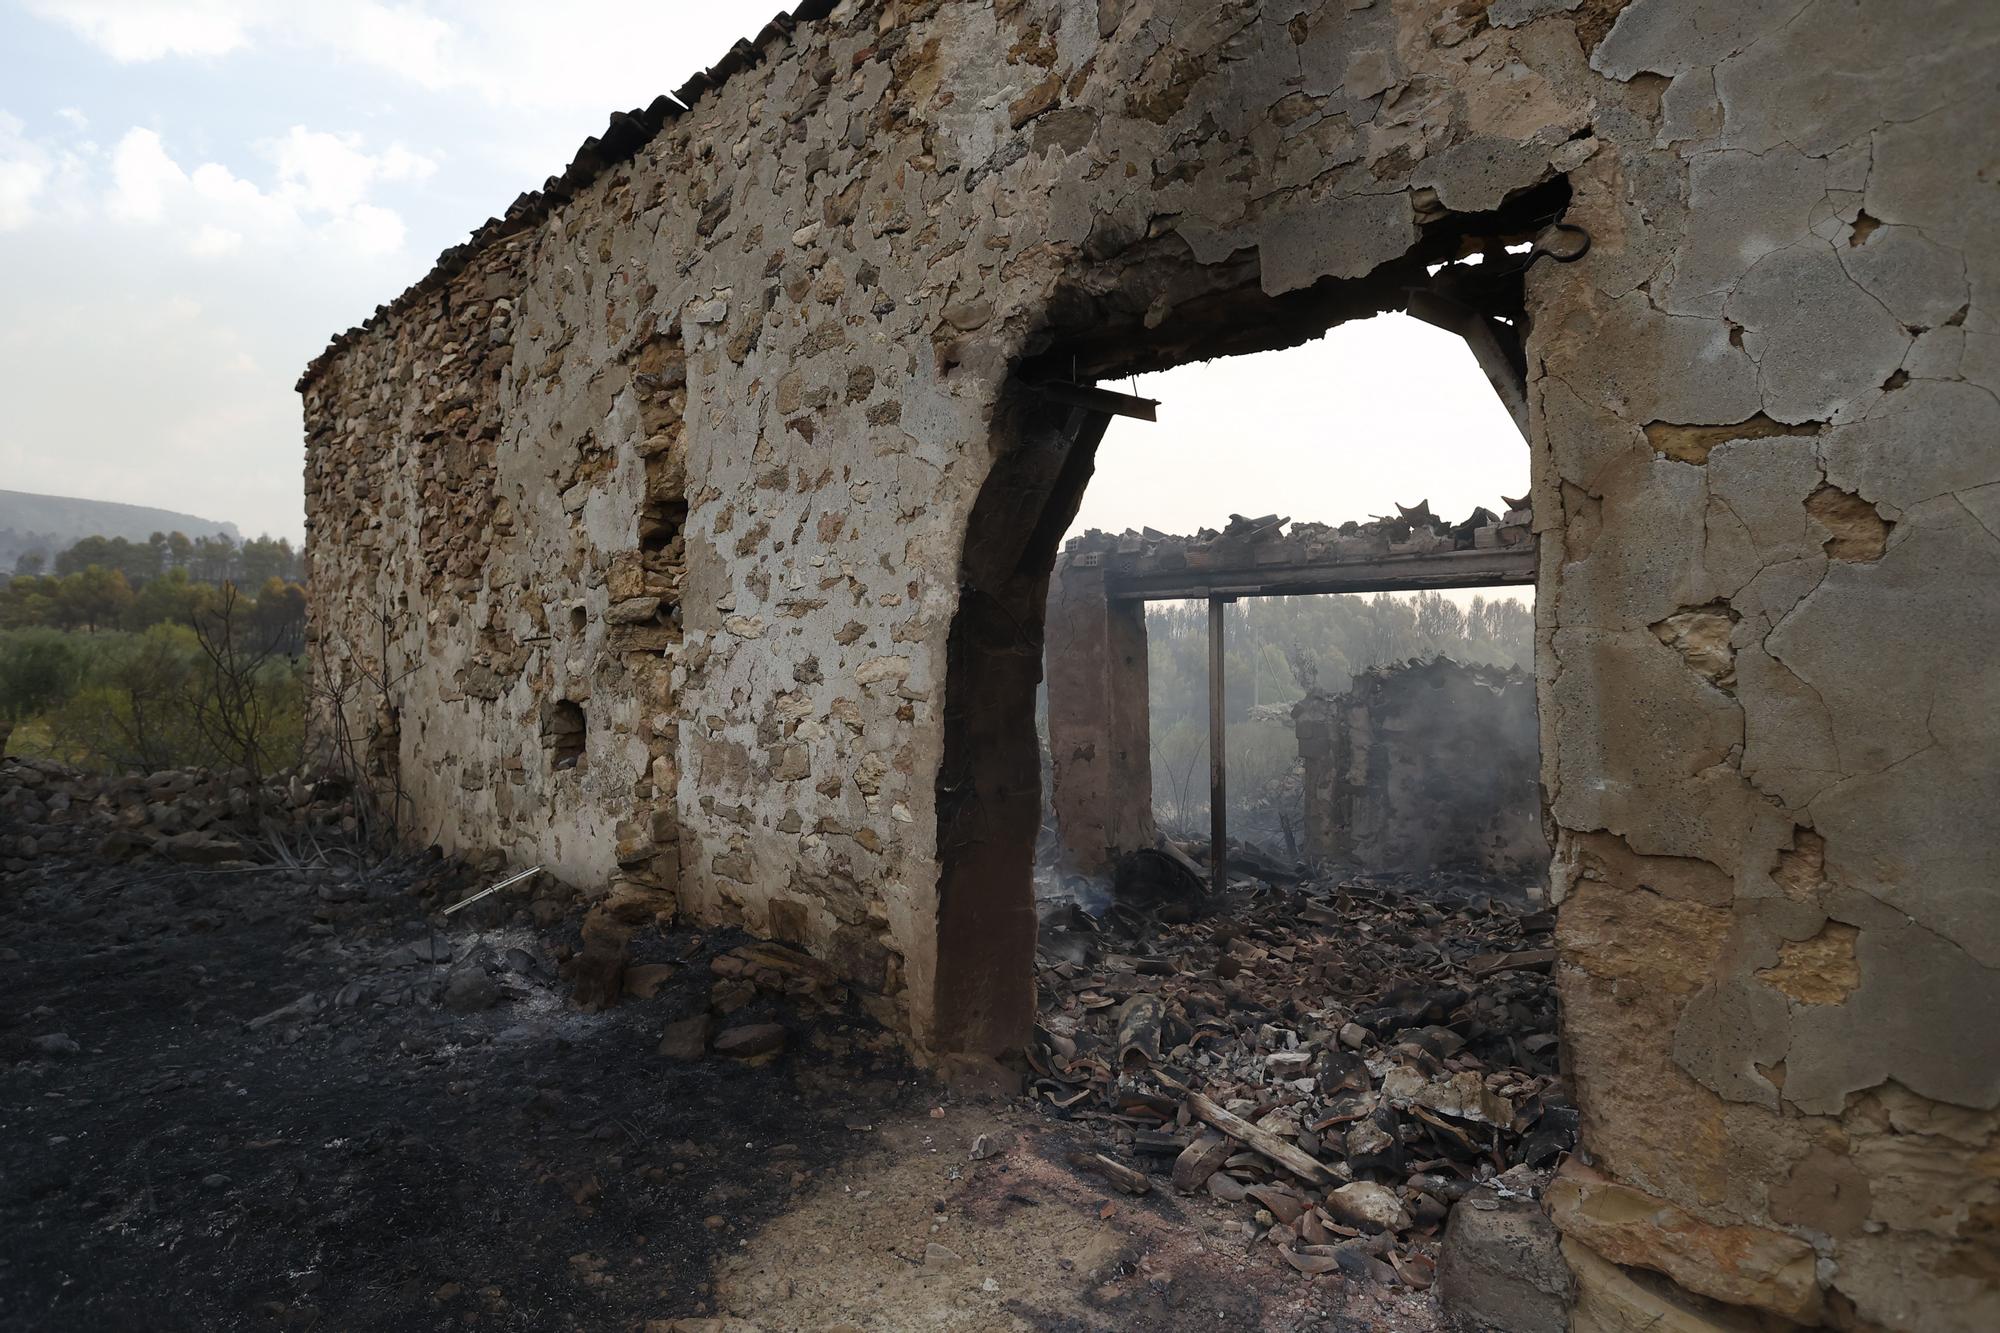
{"x":1276,"y":539}
{"x":191,"y":816}
{"x":1342,"y":1060}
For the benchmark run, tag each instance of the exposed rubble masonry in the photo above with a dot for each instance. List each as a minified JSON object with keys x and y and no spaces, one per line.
{"x":1422,"y":765}
{"x":717,"y":438}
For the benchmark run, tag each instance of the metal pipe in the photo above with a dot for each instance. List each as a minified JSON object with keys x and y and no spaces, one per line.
{"x":492,"y":888}
{"x":1218,"y":757}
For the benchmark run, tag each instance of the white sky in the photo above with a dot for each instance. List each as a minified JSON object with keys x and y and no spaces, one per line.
{"x":1384,"y":411}
{"x":195,"y":194}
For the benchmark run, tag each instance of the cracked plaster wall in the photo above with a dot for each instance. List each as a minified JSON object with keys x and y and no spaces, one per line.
{"x":1767,"y":720}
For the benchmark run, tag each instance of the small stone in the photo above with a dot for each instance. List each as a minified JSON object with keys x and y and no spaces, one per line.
{"x":643,"y":981}
{"x":984,"y":1147}
{"x":1369,"y":1206}
{"x":714,"y":1222}
{"x":56,"y":1043}
{"x":968,"y":315}
{"x":216,"y":1181}
{"x":687,"y":1039}
{"x":469,"y":990}
{"x":751,"y":1041}
{"x":938,"y":1258}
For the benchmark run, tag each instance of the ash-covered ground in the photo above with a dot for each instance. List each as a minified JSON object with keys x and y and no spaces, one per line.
{"x":272,"y":1097}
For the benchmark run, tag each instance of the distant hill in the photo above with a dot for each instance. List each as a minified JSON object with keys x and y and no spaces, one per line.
{"x":52,"y":522}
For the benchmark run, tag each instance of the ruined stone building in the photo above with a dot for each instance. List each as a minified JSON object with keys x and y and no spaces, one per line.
{"x":1098,"y":674}
{"x":687,"y":530}
{"x":1422,"y":765}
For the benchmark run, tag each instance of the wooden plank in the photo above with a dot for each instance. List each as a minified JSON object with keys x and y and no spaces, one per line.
{"x":1124,"y":1177}
{"x":1100,"y":400}
{"x":1261,"y":1141}
{"x":1218,"y":756}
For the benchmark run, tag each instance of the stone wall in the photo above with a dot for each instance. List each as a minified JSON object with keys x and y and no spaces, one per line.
{"x":1425,"y":765}
{"x":1761,"y":415}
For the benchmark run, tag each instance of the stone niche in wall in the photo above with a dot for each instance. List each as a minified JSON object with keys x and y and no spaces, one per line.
{"x":1425,"y":765}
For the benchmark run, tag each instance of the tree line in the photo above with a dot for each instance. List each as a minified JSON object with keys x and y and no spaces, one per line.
{"x":156,"y":654}
{"x":110,"y":583}
{"x":215,"y":560}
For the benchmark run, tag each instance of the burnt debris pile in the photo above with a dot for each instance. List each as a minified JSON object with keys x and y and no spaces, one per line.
{"x":1339,"y":1062}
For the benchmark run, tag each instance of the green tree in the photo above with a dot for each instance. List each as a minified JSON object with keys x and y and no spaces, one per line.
{"x":94,"y":597}
{"x":214,"y":558}
{"x":39,"y":668}
{"x":84,"y":553}
{"x":171,"y":599}
{"x":131,"y":712}
{"x":264,"y":558}
{"x":281,"y":616}
{"x":30,"y":563}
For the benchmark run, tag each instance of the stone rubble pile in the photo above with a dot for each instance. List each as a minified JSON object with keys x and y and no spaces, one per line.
{"x":190,"y":816}
{"x":1340,"y":1062}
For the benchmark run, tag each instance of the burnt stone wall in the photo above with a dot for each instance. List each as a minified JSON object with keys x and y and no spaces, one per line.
{"x":1761,"y":414}
{"x":1425,"y":765}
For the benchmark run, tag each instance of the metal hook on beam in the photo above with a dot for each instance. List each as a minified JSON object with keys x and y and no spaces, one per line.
{"x":1564,"y":242}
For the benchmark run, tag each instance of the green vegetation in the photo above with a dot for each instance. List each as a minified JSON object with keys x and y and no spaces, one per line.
{"x":1275,"y":649}
{"x":216,"y":559}
{"x":144,"y":655}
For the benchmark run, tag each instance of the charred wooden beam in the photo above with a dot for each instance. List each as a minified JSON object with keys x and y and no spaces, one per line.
{"x":1388,"y":573}
{"x":1099,"y":400}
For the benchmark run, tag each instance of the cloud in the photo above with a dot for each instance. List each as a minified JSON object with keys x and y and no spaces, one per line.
{"x":24,"y":174}
{"x":142,"y":176}
{"x":39,"y":180}
{"x":333,"y":173}
{"x":136,"y":30}
{"x":321,"y":191}
{"x":518,"y":53}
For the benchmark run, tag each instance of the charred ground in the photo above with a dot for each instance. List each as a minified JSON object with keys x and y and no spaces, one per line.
{"x":173,"y":1157}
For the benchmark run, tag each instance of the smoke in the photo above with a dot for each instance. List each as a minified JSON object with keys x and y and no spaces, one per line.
{"x":1061,"y":886}
{"x":1425,"y":766}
